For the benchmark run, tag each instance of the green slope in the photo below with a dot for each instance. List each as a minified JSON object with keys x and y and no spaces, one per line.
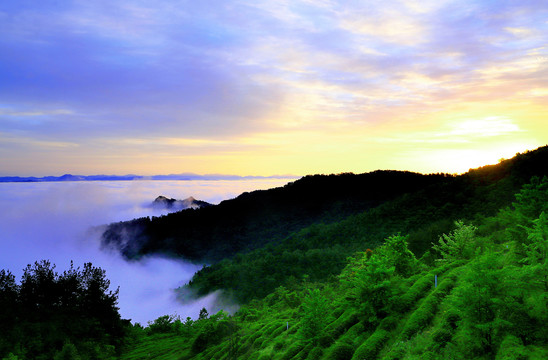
{"x":490,"y":301}
{"x":320,"y":250}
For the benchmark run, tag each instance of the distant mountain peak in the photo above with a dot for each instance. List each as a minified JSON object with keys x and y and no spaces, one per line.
{"x":163,"y":202}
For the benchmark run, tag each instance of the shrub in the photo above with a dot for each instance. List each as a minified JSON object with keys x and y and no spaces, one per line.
{"x":511,"y":349}
{"x":342,"y":324}
{"x":372,"y":346}
{"x":325,"y":340}
{"x":426,"y":311}
{"x":292,"y":351}
{"x":389,"y":323}
{"x":315,"y":354}
{"x":441,"y":336}
{"x":452,"y":317}
{"x":419,"y":289}
{"x":340,"y":351}
{"x":258,"y":343}
{"x":265,"y":357}
{"x":280,"y":329}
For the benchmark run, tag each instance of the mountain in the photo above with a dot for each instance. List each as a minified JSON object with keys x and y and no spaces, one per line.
{"x":255,"y":219}
{"x":162,"y":202}
{"x":260,"y":217}
{"x":70,"y":177}
{"x":184,"y":176}
{"x":320,"y":219}
{"x":456,"y":269}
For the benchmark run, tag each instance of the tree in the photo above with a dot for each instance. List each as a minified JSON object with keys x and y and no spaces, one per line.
{"x":372,"y":278}
{"x":458,"y":244}
{"x":376,"y":288}
{"x":314,"y":319}
{"x":68,"y":352}
{"x":530,"y":202}
{"x":163,"y":324}
{"x":536,"y":248}
{"x":203,"y":314}
{"x":477,"y":300}
{"x":39,"y":289}
{"x":395,"y":250}
{"x":9,"y":309}
{"x":48,"y":310}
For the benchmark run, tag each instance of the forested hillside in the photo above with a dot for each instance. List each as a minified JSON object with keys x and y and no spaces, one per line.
{"x":384,"y":265}
{"x":480,"y":291}
{"x":265,"y":239}
{"x":254,"y":219}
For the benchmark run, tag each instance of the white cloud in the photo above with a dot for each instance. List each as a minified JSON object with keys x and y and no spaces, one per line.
{"x":486,"y":127}
{"x":52,"y":221}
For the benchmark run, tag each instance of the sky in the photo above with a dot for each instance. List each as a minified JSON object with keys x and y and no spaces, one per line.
{"x":269,"y":87}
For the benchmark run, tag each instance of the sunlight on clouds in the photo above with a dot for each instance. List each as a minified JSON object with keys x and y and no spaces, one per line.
{"x":171,"y":141}
{"x":490,"y":126}
{"x":36,"y":112}
{"x":418,"y":82}
{"x":403,"y":31}
{"x":519,"y":65}
{"x":384,"y":22}
{"x":17,"y":141}
{"x":262,"y":87}
{"x":539,"y":92}
{"x":424,"y":6}
{"x":520,"y":32}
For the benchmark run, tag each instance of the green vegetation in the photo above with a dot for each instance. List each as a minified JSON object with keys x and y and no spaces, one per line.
{"x":454,"y":269}
{"x":59,"y":316}
{"x":320,"y":250}
{"x":490,"y":301}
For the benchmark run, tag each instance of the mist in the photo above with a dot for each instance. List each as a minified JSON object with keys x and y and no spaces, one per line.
{"x":54,"y":221}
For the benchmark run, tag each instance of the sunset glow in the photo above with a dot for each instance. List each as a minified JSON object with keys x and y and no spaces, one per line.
{"x":264,"y":87}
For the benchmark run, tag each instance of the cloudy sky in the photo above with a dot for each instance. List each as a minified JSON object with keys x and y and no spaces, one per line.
{"x":269,"y":87}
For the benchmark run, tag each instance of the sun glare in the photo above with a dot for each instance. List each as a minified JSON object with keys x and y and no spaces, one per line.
{"x":459,"y":161}
{"x":488,"y":126}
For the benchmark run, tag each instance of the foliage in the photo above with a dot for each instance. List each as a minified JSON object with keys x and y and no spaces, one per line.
{"x":361,"y":291}
{"x":457,"y":245}
{"x":372,"y":346}
{"x":536,"y":248}
{"x":340,"y":351}
{"x":314,"y":318}
{"x":68,"y":352}
{"x":396,"y":252}
{"x":530,"y":202}
{"x":51,"y":315}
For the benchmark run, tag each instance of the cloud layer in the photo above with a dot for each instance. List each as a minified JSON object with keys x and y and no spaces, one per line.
{"x":52,"y":221}
{"x":259,"y":87}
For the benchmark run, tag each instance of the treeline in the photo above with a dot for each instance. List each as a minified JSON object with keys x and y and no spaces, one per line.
{"x":255,"y":219}
{"x":478,"y":292}
{"x":321,"y":219}
{"x":59,"y":316}
{"x":321,"y":249}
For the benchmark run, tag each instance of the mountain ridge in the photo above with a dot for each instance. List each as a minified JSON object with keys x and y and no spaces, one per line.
{"x":326,"y":217}
{"x":162,"y":202}
{"x":132,"y":177}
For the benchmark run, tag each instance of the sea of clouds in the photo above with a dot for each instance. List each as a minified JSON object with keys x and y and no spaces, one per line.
{"x":53,"y":221}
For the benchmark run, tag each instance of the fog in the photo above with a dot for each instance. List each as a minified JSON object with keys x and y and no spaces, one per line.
{"x":53,"y":221}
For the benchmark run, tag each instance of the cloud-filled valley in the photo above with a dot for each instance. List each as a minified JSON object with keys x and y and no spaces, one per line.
{"x":55,"y":221}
